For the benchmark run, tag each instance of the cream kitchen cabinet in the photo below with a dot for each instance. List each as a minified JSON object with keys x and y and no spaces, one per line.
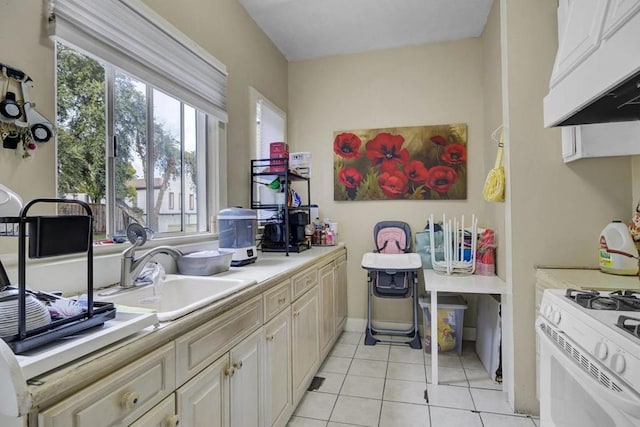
{"x":305,"y":341}
{"x":341,"y":293}
{"x":333,"y":302}
{"x":119,"y":398}
{"x":204,"y":400}
{"x":327,"y":292}
{"x":248,"y":366}
{"x":246,"y":383}
{"x":278,"y":399}
{"x":162,"y":415}
{"x":227,"y":392}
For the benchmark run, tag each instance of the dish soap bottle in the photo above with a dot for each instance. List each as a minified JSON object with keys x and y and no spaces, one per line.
{"x":618,"y":253}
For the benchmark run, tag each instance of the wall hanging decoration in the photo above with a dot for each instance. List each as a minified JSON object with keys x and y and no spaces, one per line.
{"x":408,"y":163}
{"x":20,"y":122}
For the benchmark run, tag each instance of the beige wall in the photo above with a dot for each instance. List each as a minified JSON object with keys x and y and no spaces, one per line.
{"x":430,"y":84}
{"x":556,"y":210}
{"x":492,"y":84}
{"x":222,"y":27}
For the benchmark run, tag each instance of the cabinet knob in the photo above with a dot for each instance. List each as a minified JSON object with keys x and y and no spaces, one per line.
{"x":130,"y":400}
{"x":270,"y":337}
{"x":172,"y":421}
{"x":281,"y":300}
{"x":229,"y":372}
{"x":238,"y":364}
{"x":296,"y":313}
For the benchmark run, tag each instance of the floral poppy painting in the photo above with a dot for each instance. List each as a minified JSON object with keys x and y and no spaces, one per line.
{"x":408,"y":163}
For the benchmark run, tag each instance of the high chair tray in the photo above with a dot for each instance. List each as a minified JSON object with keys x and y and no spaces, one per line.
{"x":387,"y":262}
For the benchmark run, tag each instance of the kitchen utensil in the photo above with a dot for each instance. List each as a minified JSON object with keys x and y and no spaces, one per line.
{"x":36,"y":312}
{"x":136,"y":232}
{"x":493,"y":190}
{"x":237,"y":231}
{"x":59,"y":235}
{"x":10,"y":202}
{"x":11,"y":140}
{"x":4,"y":278}
{"x":205,"y":263}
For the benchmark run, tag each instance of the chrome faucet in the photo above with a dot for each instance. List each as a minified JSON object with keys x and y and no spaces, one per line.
{"x":131,"y":267}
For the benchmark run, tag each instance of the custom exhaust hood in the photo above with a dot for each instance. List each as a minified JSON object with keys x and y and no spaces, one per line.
{"x":596,"y":75}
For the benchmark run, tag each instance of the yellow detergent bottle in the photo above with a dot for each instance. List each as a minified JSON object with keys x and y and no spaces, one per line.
{"x":618,"y":253}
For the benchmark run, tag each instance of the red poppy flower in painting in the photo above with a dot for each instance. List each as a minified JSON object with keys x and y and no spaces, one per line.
{"x":347,"y":145}
{"x":441,"y":178}
{"x":416,"y":171}
{"x":350,"y":177}
{"x":393,"y":184}
{"x":385,"y":150}
{"x":455,"y":154}
{"x":439,"y":139}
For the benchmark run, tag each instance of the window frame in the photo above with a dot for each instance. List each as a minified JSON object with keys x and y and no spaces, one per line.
{"x":208,"y":136}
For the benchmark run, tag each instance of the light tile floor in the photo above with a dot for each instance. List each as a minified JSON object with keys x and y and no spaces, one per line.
{"x":384,"y":386}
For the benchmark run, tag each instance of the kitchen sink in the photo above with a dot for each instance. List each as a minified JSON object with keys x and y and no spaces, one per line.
{"x":179,"y":294}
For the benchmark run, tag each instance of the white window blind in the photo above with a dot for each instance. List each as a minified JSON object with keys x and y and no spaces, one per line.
{"x":131,"y":36}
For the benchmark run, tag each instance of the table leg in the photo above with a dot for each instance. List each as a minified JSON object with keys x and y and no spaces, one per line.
{"x":434,"y":337}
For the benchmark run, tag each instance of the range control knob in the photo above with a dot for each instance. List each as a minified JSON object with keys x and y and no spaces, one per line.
{"x":556,"y":316}
{"x":618,"y":363}
{"x":601,"y":350}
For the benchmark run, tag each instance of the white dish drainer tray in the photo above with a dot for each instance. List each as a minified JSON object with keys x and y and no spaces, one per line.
{"x":455,"y":245}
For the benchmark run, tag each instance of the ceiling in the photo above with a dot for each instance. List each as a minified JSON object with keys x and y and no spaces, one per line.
{"x":305,"y":29}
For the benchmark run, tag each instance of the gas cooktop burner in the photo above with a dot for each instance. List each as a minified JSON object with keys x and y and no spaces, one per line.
{"x":616,"y":301}
{"x":629,"y":324}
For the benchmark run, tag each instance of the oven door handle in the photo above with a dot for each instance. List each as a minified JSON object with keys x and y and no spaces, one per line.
{"x":621,"y":402}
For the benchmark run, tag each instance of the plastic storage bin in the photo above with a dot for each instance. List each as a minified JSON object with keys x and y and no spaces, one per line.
{"x":450,"y":322}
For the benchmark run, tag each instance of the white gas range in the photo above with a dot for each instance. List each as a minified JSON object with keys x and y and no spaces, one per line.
{"x":589,"y":363}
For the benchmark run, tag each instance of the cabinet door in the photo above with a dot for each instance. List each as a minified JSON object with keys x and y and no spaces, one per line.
{"x":305,"y":341}
{"x":327,"y":304}
{"x":246,"y":384}
{"x":580,"y":25}
{"x":277,"y":366}
{"x":162,"y":415}
{"x":204,"y":400}
{"x":618,"y":13}
{"x":341,"y":293}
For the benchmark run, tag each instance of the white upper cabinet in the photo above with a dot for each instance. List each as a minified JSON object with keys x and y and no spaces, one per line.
{"x":579,"y":31}
{"x":597,"y":65}
{"x":618,"y":13}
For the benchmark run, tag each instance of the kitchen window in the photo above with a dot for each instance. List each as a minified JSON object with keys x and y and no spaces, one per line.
{"x":151,"y":158}
{"x":270,"y":124}
{"x":141,"y":114}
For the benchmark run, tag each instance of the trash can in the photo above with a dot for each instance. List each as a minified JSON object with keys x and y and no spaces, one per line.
{"x":450,"y":322}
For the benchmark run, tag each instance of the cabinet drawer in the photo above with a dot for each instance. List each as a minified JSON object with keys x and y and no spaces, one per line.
{"x":200,"y":347}
{"x":119,"y":398}
{"x":162,"y":415}
{"x":304,"y":281}
{"x":276,"y":299}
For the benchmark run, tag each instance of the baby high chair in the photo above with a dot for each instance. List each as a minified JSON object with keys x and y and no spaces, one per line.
{"x":392,"y":273}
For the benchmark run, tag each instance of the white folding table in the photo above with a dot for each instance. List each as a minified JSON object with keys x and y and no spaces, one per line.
{"x":469,"y":284}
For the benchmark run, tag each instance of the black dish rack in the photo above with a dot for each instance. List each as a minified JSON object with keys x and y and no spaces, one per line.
{"x":50,"y":236}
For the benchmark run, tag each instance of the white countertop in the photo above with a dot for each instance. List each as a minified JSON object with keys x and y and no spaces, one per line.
{"x":587,"y":279}
{"x":267,"y":271}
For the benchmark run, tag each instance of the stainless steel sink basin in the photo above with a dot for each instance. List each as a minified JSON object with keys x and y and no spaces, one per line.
{"x":179,"y":295}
